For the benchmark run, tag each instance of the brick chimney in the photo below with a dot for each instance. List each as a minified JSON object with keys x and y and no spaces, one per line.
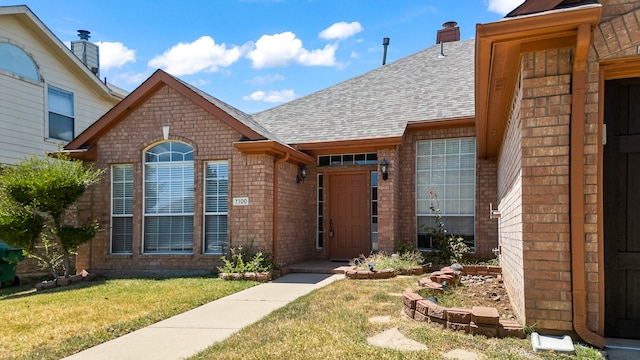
{"x":449,"y":32}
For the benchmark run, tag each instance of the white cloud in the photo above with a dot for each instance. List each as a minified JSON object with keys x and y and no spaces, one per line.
{"x":341,"y":30}
{"x":201,"y":55}
{"x":319,"y":57}
{"x":282,"y":49}
{"x":503,"y":6}
{"x":259,"y":80}
{"x":114,"y":54}
{"x":131,"y":78}
{"x":272,"y":96}
{"x":354,"y":55}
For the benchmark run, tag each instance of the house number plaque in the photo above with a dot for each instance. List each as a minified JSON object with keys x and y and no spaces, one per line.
{"x":240,"y":201}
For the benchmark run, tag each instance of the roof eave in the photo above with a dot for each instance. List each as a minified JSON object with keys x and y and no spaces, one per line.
{"x":349,"y":146}
{"x":155,"y":82}
{"x":273,"y":148}
{"x":499,"y":46}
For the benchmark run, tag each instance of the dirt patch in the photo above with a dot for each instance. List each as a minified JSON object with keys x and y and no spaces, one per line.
{"x":490,"y":294}
{"x":474,"y":292}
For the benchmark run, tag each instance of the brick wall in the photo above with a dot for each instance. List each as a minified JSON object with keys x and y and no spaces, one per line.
{"x":545,"y":114}
{"x":510,"y":206}
{"x":249,"y":175}
{"x":296,"y":215}
{"x":388,"y":202}
{"x":486,"y":181}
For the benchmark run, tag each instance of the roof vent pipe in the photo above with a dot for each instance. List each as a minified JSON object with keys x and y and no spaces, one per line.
{"x":84,"y":34}
{"x":385,"y":43}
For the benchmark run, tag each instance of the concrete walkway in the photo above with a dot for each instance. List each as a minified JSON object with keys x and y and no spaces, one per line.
{"x":186,"y":334}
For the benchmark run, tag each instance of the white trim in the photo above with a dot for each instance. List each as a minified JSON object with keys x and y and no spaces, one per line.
{"x":119,"y":215}
{"x":204,"y":207}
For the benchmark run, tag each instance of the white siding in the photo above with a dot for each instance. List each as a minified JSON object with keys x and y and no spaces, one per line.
{"x":23,"y":107}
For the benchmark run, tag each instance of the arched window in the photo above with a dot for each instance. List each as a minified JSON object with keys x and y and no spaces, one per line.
{"x":15,"y":61}
{"x":168,"y":198}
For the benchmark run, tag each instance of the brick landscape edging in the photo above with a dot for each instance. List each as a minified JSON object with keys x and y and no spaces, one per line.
{"x":478,"y":320}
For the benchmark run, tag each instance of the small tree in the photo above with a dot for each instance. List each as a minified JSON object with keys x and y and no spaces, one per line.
{"x":36,"y":194}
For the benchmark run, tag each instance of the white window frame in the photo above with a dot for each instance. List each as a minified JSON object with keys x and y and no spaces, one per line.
{"x":124,"y":210}
{"x":68,"y":113}
{"x":220,"y":211}
{"x":187,"y":247}
{"x":441,"y":167}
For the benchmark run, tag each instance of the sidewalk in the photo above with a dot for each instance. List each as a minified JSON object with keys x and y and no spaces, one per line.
{"x":186,"y":334}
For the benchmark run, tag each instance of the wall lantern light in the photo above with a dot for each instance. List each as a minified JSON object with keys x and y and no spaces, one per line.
{"x":303,"y":171}
{"x":384,"y":169}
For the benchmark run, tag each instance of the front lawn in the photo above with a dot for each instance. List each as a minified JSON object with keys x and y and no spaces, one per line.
{"x":334,"y":323}
{"x":56,"y":323}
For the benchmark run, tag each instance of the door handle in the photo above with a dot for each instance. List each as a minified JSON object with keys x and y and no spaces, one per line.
{"x":331,"y":233}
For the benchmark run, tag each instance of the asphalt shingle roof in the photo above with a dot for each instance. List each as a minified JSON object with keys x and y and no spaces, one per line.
{"x":236,"y":113}
{"x":421,"y":87}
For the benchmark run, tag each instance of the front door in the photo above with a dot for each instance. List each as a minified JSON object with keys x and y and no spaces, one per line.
{"x":622,"y":208}
{"x":349,"y":218}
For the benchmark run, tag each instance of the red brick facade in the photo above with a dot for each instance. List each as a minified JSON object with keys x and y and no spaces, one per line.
{"x":486,"y":232}
{"x":250,"y":176}
{"x":534,"y":169}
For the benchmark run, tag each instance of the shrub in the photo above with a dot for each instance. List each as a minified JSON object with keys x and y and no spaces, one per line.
{"x":242,"y":261}
{"x":448,"y":248}
{"x":381,"y":261}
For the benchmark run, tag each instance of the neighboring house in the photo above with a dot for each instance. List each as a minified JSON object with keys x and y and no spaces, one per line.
{"x":189,"y":176}
{"x":47,"y":94}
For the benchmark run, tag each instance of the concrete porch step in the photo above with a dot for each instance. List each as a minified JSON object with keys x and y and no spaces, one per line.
{"x":318,"y":267}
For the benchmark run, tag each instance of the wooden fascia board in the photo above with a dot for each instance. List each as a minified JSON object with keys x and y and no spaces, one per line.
{"x":442,"y":124}
{"x":89,"y":154}
{"x":91,"y":135}
{"x":141,"y":94}
{"x":349,"y":146}
{"x":528,"y":26}
{"x":499,"y":46}
{"x":273,"y":148}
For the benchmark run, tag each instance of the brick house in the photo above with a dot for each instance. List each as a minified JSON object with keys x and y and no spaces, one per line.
{"x":515,"y":119}
{"x":555,"y":87}
{"x":240,"y":180}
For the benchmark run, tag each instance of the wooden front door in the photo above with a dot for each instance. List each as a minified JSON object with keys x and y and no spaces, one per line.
{"x":349,"y":218}
{"x":622,"y":208}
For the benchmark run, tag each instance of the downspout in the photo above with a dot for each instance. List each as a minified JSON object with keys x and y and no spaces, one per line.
{"x":275,"y":204}
{"x":578,"y":273}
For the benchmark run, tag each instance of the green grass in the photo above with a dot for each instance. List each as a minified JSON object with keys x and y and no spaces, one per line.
{"x":55,"y":323}
{"x":333,"y":323}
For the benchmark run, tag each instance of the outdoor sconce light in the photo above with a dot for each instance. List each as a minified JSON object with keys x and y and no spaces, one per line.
{"x":384,"y":169}
{"x":303,"y":171}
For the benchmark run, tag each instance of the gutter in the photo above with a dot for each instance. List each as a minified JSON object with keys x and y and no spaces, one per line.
{"x":576,"y":186}
{"x":275,"y":203}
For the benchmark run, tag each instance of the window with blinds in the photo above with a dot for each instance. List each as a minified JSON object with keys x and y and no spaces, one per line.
{"x":445,"y":180}
{"x":168,"y":198}
{"x":121,"y":209}
{"x":216,"y":202}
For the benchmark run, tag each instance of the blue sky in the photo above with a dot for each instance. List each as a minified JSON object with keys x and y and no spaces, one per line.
{"x":257,"y":54}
